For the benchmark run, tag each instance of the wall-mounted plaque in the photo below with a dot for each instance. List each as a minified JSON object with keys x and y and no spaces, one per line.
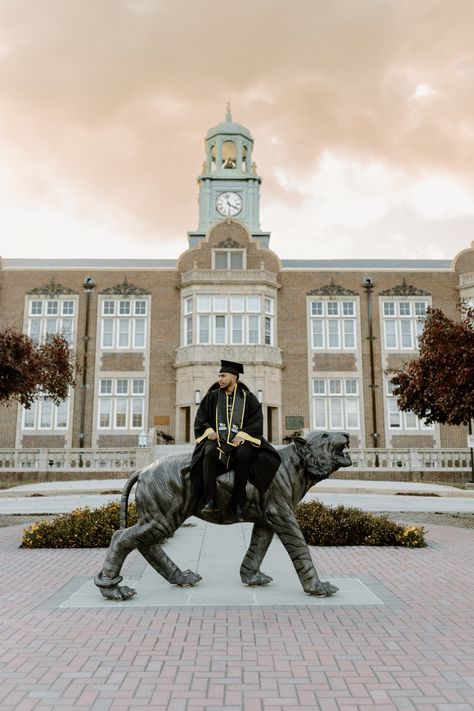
{"x":294,"y":423}
{"x":161,"y":420}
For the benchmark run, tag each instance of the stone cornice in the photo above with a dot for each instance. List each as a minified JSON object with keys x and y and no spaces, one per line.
{"x":332,"y":289}
{"x":125,"y":289}
{"x":53,"y":288}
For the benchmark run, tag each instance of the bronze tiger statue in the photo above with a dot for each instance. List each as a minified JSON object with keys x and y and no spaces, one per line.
{"x":165,"y":498}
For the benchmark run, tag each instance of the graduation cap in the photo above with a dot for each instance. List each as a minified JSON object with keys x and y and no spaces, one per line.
{"x":227,"y":366}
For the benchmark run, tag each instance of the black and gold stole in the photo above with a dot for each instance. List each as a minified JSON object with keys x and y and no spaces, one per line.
{"x":230,"y":413}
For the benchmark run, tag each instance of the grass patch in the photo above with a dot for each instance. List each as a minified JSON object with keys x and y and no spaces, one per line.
{"x":321,"y":526}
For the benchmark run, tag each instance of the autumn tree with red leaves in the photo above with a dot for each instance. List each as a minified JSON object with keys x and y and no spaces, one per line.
{"x":29,"y":370}
{"x":438,"y":386}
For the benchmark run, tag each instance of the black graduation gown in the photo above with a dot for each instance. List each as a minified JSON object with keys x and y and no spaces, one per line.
{"x":265,"y":458}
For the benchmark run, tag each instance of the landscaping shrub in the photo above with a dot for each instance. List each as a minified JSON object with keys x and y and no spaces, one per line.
{"x":321,"y":526}
{"x":346,"y":526}
{"x":82,"y":528}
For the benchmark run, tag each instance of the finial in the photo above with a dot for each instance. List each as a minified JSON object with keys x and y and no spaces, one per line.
{"x":228,"y":115}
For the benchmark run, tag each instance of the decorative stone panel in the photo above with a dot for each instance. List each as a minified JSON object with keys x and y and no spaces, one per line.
{"x":404,"y":289}
{"x":420,"y":441}
{"x":43,"y":441}
{"x":52,"y":288}
{"x":122,"y":362}
{"x":125,"y":289}
{"x":327,"y":362}
{"x":118,"y":441}
{"x":332,"y":289}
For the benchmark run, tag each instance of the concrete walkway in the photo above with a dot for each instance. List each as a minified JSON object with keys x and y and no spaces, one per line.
{"x":65,"y":496}
{"x":399,"y":636}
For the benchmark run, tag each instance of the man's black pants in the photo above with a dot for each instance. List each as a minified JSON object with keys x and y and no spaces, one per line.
{"x":212,"y":467}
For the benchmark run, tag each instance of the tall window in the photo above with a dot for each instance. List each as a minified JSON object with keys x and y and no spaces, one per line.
{"x":124,"y":323}
{"x":44,"y":415}
{"x":403,"y":323}
{"x":237,"y":320}
{"x":336,"y":404}
{"x":229,"y":258}
{"x":121,"y":404}
{"x":333,"y":325}
{"x":49,"y":316}
{"x":398,"y":420}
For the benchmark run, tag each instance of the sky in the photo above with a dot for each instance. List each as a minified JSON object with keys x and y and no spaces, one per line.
{"x":361,"y":113}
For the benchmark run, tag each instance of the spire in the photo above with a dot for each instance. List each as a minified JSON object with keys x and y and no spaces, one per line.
{"x":228,"y":115}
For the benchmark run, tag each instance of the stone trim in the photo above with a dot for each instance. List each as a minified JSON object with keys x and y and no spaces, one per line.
{"x":125,"y":289}
{"x":52,"y":288}
{"x":404,"y":289}
{"x":229,"y":243}
{"x":332,"y":289}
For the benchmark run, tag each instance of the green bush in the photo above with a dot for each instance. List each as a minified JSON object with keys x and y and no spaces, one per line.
{"x":346,"y":526}
{"x":82,"y":528}
{"x":321,"y":526}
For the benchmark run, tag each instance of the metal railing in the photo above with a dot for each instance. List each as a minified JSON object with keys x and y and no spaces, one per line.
{"x":131,"y":458}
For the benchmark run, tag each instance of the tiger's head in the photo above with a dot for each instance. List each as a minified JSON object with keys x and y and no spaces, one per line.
{"x":322,"y":453}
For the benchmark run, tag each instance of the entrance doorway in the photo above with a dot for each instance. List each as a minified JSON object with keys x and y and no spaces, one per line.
{"x":272,"y":424}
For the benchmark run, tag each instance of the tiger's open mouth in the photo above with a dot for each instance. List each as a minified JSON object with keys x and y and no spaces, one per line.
{"x":341,"y":451}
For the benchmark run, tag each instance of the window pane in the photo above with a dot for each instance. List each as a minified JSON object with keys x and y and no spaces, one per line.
{"x":106,"y":387}
{"x":138,"y":386}
{"x":68,"y":308}
{"x":189,"y":330}
{"x":394,"y":414}
{"x":237,"y":304}
{"x":137,"y":412}
{"x":52,"y":308}
{"x":319,"y":408}
{"x":46,"y":407}
{"x":319,"y":387}
{"x":220,"y":260}
{"x":51,"y":326}
{"x":268,"y":331}
{"x":406,"y":334}
{"x":140,"y":308}
{"x":139,"y":333}
{"x":121,"y":386}
{"x":317,"y":333}
{"x":203,"y":329}
{"x":204,"y":303}
{"x":104,"y":412}
{"x":29,"y":417}
{"x":61,"y":414}
{"x":335,"y":387}
{"x":124,"y":333}
{"x":237,"y":329}
{"x":351,"y":387}
{"x":390,"y":334}
{"x":348,"y":308}
{"x":34,"y":329}
{"x":389,"y":308}
{"x":220,"y":324}
{"x":220,"y":304}
{"x":36,"y":308}
{"x":254,"y":328}
{"x":107,"y":333}
{"x":349,"y":333}
{"x":411,"y":421}
{"x":316,"y":308}
{"x":420,"y":308}
{"x":236,"y":260}
{"x":66,"y":329}
{"x":121,"y":413}
{"x":108,"y":308}
{"x":335,"y":408}
{"x":268,"y":305}
{"x":405,"y":308}
{"x":188,"y":305}
{"x":253,"y":304}
{"x":352,"y":413}
{"x":333,"y":333}
{"x":124,"y":308}
{"x":333,"y":308}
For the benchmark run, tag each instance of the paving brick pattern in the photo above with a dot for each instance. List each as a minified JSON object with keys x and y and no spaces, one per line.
{"x":415,"y":652}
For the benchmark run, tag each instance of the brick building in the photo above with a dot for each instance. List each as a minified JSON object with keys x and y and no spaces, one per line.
{"x":315,"y":336}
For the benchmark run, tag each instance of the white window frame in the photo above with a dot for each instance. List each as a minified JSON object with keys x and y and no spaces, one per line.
{"x":408,"y":421}
{"x":51,"y":317}
{"x":328,"y":331}
{"x":398,"y":326}
{"x":331,"y":393}
{"x":36,"y":411}
{"x":120,"y":390}
{"x":229,"y":252}
{"x":119,"y":319}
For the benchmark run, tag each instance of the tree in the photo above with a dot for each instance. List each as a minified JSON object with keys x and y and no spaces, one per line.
{"x":438,"y":386}
{"x":29,"y":370}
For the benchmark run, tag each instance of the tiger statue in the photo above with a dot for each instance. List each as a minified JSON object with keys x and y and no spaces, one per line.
{"x":165,"y":498}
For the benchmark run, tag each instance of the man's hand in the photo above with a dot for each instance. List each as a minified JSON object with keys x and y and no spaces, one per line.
{"x":238,"y":440}
{"x":212,"y":435}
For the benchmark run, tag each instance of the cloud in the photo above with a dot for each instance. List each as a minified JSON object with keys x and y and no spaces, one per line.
{"x":103,"y":107}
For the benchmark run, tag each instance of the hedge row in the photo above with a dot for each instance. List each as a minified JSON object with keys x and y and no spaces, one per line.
{"x":321,"y":526}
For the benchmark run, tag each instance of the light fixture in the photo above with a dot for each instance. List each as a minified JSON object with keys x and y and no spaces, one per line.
{"x":197,"y":396}
{"x":260,"y":396}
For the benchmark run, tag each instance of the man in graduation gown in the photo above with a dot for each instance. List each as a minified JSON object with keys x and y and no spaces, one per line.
{"x":228,"y":430}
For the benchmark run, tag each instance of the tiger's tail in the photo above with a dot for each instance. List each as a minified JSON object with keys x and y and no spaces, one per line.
{"x":130,"y":483}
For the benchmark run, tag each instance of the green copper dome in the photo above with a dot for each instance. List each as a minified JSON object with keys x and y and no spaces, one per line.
{"x":229,"y":127}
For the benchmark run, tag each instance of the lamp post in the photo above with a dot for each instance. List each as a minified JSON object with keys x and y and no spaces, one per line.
{"x":368,"y":285}
{"x":88,"y":285}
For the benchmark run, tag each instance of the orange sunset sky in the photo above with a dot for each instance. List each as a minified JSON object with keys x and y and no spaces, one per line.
{"x":362,"y":112}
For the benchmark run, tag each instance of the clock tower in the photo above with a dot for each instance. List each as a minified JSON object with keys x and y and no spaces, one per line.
{"x":229,"y":185}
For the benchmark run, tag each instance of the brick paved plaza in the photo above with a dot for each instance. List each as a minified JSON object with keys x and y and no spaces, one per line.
{"x":415,"y":651}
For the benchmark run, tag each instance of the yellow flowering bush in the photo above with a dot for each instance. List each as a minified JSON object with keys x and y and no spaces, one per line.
{"x":82,"y":528}
{"x":347,"y":526}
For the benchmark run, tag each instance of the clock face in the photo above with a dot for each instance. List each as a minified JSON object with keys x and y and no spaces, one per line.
{"x":228,"y":204}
